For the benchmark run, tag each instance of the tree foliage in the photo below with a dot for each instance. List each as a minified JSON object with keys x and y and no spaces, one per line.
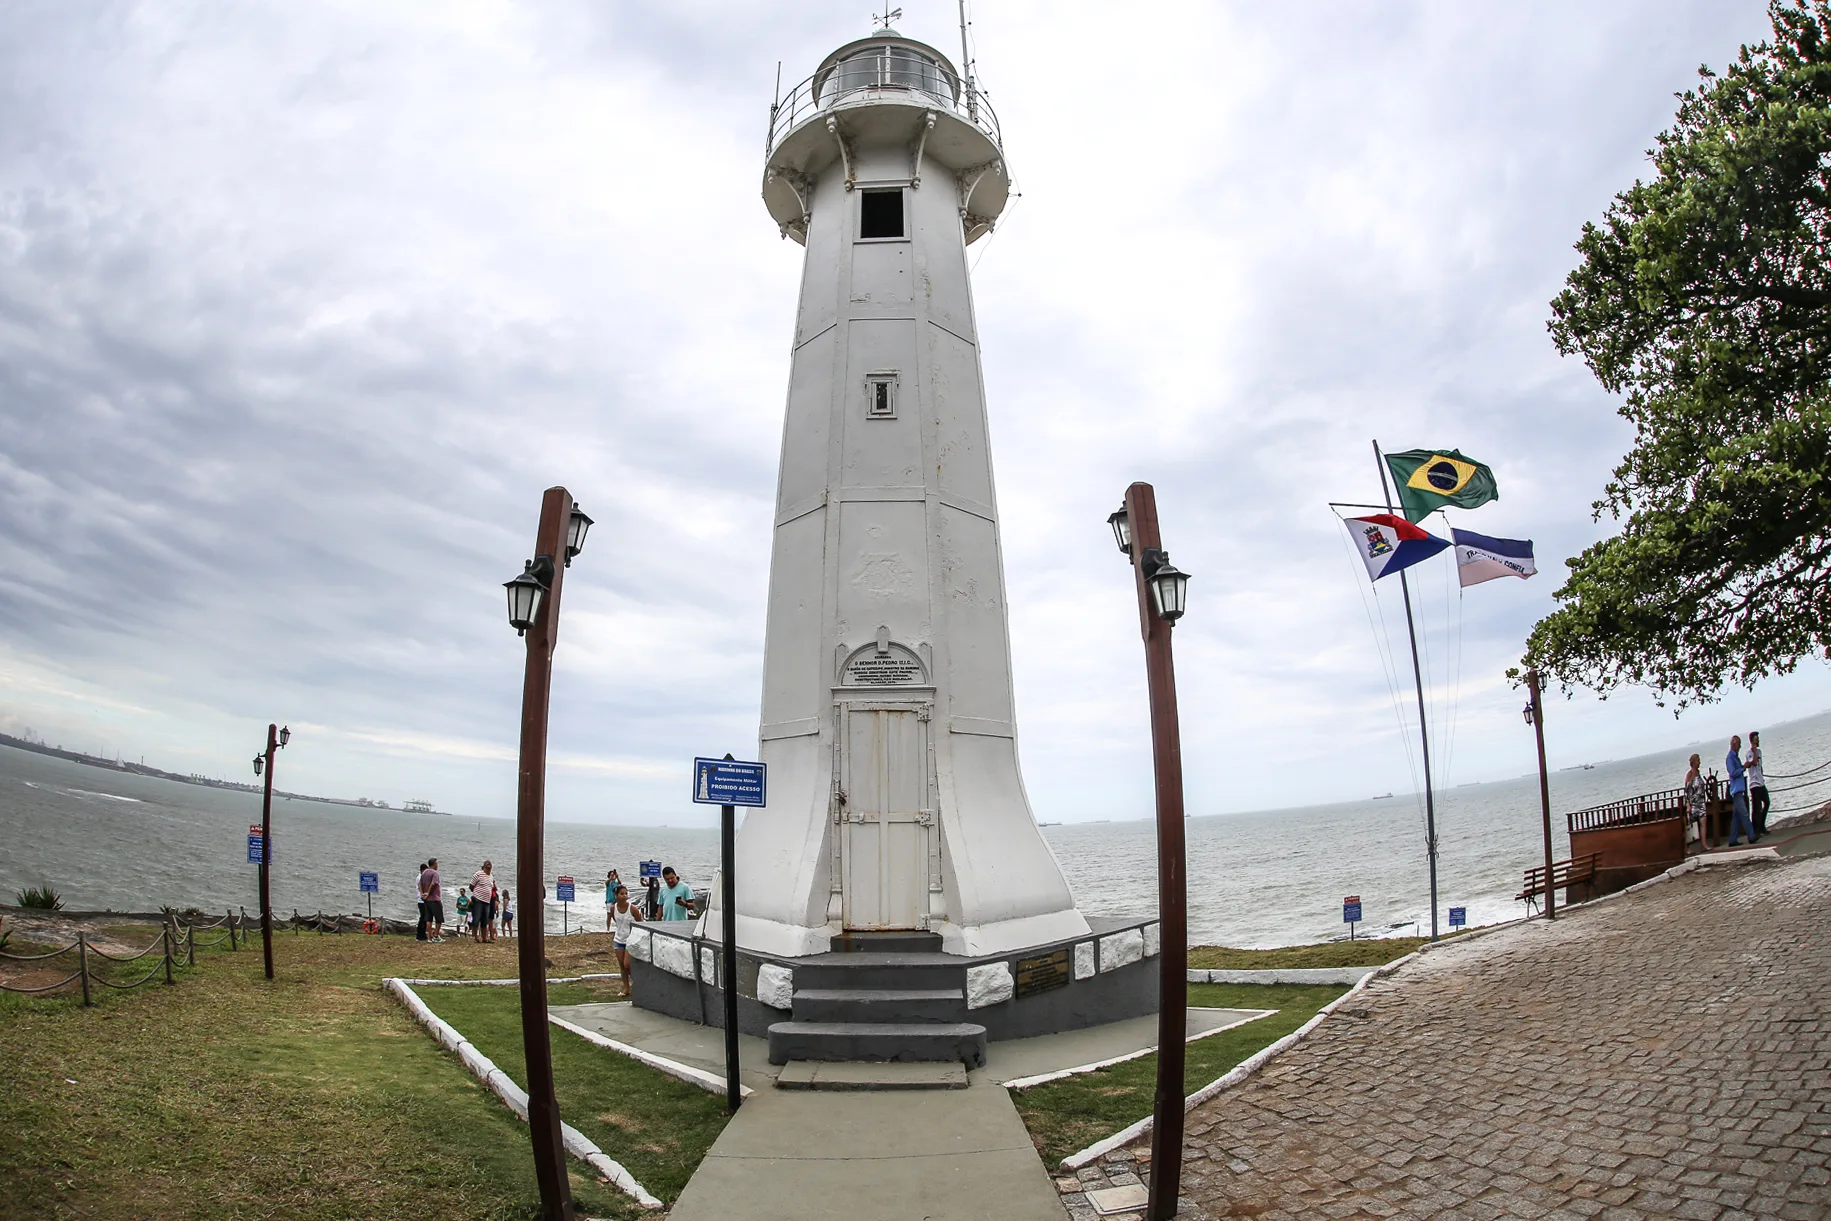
{"x":1704,"y":299}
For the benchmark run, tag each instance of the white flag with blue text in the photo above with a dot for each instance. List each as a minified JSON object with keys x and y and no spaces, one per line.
{"x":1480,"y":558}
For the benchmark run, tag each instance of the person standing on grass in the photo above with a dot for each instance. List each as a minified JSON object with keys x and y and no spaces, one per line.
{"x":483,"y":891}
{"x":435,"y":899}
{"x":508,"y":915}
{"x":419,"y":932}
{"x":676,"y":896}
{"x":1738,"y":793}
{"x":464,"y":921}
{"x":623,"y":916}
{"x":1757,"y":786}
{"x":652,"y":900}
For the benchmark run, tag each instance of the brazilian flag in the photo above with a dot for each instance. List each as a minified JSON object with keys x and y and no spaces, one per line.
{"x":1428,"y":479}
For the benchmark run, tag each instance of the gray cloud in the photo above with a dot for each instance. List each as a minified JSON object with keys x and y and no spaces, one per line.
{"x":301,"y":307}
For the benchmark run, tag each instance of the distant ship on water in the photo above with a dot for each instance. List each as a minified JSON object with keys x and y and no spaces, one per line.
{"x":421,"y":807}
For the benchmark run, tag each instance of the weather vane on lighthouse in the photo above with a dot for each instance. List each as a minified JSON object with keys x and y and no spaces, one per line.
{"x":887,"y":16}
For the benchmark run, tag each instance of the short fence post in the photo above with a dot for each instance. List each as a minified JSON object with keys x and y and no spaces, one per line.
{"x":82,"y":965}
{"x":190,"y":945}
{"x":231,"y":916}
{"x":165,"y":935}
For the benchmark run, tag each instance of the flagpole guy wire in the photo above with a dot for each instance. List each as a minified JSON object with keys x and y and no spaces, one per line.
{"x":1411,"y":631}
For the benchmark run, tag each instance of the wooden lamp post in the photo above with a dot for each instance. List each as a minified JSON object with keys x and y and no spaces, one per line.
{"x":263,"y":765}
{"x":1163,"y":593}
{"x":1535,"y":716}
{"x":534,"y":613}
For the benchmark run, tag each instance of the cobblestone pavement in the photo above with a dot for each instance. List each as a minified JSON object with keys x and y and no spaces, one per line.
{"x":1665,"y":1054}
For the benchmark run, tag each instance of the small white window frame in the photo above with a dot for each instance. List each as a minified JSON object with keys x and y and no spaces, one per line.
{"x":858,"y":213}
{"x":881,"y":406}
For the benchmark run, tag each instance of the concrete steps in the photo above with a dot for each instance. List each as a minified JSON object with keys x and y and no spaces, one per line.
{"x":879,"y":1005}
{"x":882,"y":1075}
{"x":963,"y":1042}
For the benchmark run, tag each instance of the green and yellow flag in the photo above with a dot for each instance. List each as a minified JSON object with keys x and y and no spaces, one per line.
{"x":1428,"y":479}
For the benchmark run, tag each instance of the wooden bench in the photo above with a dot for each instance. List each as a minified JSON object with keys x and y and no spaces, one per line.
{"x":1578,"y":871}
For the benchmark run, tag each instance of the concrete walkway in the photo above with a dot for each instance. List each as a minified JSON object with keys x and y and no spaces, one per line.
{"x":927,"y":1155}
{"x":933,"y":1155}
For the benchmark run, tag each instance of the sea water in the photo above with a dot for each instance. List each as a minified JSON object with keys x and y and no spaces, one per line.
{"x":105,"y":839}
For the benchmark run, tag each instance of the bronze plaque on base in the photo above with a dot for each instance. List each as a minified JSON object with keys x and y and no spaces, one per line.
{"x":1043,"y":972}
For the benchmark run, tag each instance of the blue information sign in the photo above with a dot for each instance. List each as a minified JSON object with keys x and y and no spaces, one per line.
{"x":648,"y":869}
{"x":728,"y":782}
{"x":1459,"y":916}
{"x":256,"y":849}
{"x":1351,"y":909}
{"x":563,"y":890}
{"x":371,"y":883}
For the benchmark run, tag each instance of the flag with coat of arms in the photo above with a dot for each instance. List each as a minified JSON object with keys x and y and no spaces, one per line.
{"x":1388,"y":543}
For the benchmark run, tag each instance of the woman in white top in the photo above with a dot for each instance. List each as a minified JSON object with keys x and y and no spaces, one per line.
{"x":622,"y":917}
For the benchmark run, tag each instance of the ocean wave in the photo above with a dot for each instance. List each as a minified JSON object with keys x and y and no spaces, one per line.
{"x":103,"y":796}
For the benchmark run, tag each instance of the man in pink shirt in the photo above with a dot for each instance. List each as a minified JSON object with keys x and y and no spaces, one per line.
{"x":483,"y":904}
{"x":435,"y":901}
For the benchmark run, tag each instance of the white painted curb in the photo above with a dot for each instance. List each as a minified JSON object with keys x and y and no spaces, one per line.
{"x":577,"y":1143}
{"x":1281,"y":975}
{"x":1024,"y":1083}
{"x":710,"y":1082}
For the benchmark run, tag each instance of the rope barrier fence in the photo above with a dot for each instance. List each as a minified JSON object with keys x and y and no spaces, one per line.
{"x":175,"y":946}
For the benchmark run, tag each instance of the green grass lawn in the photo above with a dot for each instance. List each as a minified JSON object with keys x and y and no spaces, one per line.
{"x":657,"y":1126}
{"x":1362,"y":953}
{"x":1068,"y":1115}
{"x":314,"y":1097}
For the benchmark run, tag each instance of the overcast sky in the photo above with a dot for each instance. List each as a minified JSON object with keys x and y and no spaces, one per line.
{"x":302,"y":305}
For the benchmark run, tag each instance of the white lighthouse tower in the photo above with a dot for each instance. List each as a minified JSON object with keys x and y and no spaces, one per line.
{"x":895,"y":798}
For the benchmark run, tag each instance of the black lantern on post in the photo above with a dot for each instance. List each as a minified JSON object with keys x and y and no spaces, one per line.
{"x":1122,"y":529}
{"x":259,"y":763}
{"x":1169,"y":589}
{"x":525,"y":594}
{"x":285,"y":736}
{"x":576,"y":529}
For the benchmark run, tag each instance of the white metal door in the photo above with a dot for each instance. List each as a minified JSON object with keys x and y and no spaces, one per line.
{"x":884,"y":821}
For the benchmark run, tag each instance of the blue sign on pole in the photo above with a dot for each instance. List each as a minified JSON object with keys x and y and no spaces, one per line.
{"x":256,"y":847}
{"x":371,"y":883}
{"x":1351,"y":909}
{"x":1459,"y":916}
{"x":563,"y":890}
{"x":728,"y":782}
{"x":648,"y":869}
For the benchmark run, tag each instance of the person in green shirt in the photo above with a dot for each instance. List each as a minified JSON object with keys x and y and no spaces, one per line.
{"x":463,"y":906}
{"x":676,"y":896}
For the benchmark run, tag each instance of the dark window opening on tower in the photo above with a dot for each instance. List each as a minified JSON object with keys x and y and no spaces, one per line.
{"x":880,"y":214}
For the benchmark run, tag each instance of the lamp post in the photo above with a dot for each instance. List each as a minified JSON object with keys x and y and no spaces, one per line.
{"x":533,"y":599}
{"x":1535,"y":717}
{"x":276,"y":740}
{"x":1163,"y":593}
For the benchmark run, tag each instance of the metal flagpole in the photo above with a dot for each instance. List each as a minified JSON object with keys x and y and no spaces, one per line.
{"x":1417,"y":674}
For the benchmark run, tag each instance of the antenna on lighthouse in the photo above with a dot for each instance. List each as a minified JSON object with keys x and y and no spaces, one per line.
{"x":966,"y":67}
{"x":887,"y":16}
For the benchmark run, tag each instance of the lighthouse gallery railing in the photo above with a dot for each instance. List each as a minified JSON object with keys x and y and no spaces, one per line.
{"x":880,"y":70}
